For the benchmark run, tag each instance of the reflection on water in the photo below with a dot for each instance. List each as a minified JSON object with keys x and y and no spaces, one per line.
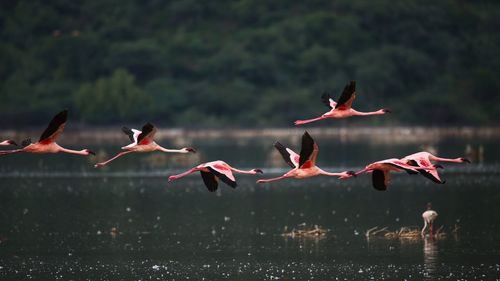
{"x":430,"y":258}
{"x":61,"y":219}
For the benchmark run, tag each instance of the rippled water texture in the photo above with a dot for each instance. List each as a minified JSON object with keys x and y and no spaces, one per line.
{"x":62,"y":219}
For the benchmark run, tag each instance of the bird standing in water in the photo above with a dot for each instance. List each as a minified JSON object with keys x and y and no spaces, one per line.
{"x":429,"y":216}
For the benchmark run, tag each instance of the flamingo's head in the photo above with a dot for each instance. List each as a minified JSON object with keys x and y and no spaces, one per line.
{"x":189,"y":149}
{"x":88,"y":152}
{"x":172,"y":178}
{"x":386,"y":110}
{"x":11,"y":142}
{"x":465,"y":160}
{"x":348,"y":174}
{"x":257,"y":171}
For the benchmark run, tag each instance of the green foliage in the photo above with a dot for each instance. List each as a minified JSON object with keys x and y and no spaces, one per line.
{"x":111,"y":99}
{"x":248,"y":62}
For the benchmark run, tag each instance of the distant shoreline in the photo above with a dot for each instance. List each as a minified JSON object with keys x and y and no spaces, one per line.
{"x":386,"y":134}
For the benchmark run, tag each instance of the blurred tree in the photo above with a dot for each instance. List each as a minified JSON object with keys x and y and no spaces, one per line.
{"x":112,"y":99}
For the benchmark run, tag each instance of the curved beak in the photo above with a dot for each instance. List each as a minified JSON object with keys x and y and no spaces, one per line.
{"x":90,"y":152}
{"x":465,"y":160}
{"x":190,"y":149}
{"x":259,"y":171}
{"x":11,"y":142}
{"x":352,"y":173}
{"x":386,"y":110}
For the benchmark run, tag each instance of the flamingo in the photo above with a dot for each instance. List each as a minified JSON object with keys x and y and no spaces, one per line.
{"x":429,"y":216}
{"x":8,"y":142}
{"x":380,"y":171}
{"x":143,"y":142}
{"x":423,"y":159}
{"x":303,"y":165}
{"x":342,"y":108}
{"x":47,"y":142}
{"x":212,"y":172}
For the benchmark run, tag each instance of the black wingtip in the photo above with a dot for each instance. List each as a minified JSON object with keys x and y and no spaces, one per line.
{"x":306,"y":134}
{"x":26,"y":142}
{"x":352,"y":85}
{"x":438,"y":166}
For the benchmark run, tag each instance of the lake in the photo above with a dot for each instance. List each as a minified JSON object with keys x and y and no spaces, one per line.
{"x":61,"y":219}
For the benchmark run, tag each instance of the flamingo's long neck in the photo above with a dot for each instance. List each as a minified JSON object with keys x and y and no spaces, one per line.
{"x":250,"y":172}
{"x":439,"y":159}
{"x":423,"y":228}
{"x":359,"y":113}
{"x":325,"y":173}
{"x":163,"y":149}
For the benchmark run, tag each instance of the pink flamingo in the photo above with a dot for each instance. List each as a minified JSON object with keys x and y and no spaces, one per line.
{"x":342,"y":108}
{"x":380,"y":171}
{"x":8,"y":142}
{"x":429,"y":216}
{"x":423,"y":159}
{"x":143,"y":142}
{"x":47,"y":142}
{"x":214,"y":171}
{"x":303,"y":165}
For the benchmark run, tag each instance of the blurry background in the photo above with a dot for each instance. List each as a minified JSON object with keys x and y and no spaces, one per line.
{"x":247,"y":63}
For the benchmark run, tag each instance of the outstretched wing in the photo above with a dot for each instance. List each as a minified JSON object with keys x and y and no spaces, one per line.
{"x":132,"y":134}
{"x":400,"y":165}
{"x":430,"y":174}
{"x":210,"y":181}
{"x":380,"y":180}
{"x":308,"y":151}
{"x":128,"y":132}
{"x":347,"y":97}
{"x":290,"y":157}
{"x":147,"y":134}
{"x":328,"y":101}
{"x":55,"y":128}
{"x":225,"y":175}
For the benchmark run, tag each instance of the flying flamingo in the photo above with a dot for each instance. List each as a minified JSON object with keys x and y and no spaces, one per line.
{"x":143,"y":142}
{"x":8,"y":142}
{"x":429,"y":216}
{"x":342,"y":108}
{"x":303,"y":165}
{"x":380,"y":171}
{"x":214,"y":171}
{"x":47,"y":142}
{"x":423,"y":159}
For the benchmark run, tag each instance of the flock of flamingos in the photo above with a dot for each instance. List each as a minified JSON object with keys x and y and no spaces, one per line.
{"x":303,"y":164}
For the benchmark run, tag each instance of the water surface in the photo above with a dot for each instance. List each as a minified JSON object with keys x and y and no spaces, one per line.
{"x":62,"y":219}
